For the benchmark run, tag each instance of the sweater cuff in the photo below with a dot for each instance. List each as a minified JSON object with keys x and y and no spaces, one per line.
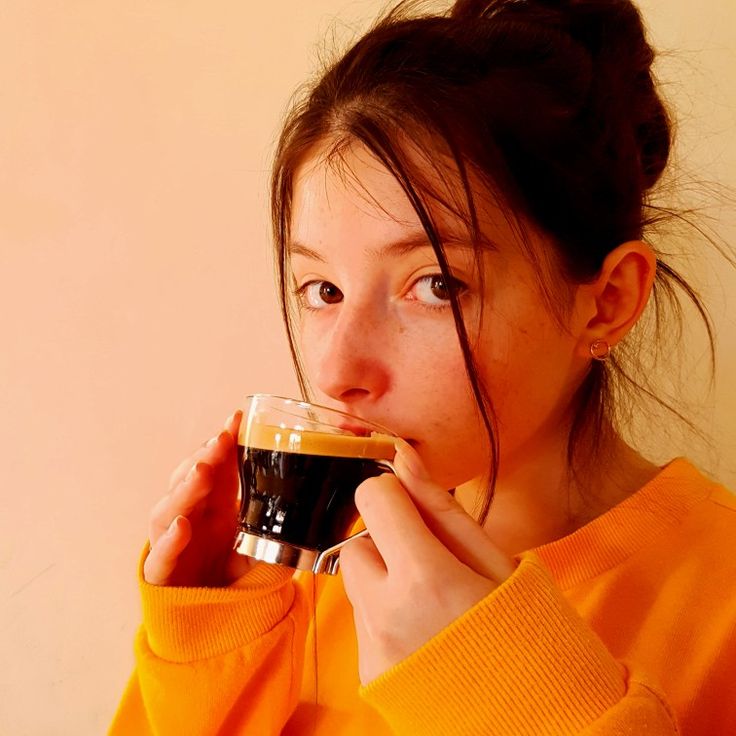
{"x":519,"y":660}
{"x":187,"y":624}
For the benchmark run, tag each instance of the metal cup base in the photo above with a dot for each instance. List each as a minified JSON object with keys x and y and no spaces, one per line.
{"x":290,"y":555}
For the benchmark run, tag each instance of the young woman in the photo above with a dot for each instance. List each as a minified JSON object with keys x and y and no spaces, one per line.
{"x":460,"y":208}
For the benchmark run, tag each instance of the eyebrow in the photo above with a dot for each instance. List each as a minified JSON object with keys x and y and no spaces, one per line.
{"x":409,"y":244}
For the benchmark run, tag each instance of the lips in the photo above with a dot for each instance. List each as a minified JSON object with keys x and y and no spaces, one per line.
{"x":355,"y":429}
{"x":359,"y":431}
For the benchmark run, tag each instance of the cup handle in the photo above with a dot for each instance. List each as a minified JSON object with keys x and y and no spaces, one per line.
{"x":387,"y":464}
{"x":328,"y":561}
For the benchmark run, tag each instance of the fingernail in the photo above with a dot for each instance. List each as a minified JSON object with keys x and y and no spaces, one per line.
{"x":232,"y":417}
{"x":213,"y":441}
{"x":173,"y":526}
{"x":410,"y":458}
{"x":191,"y":472}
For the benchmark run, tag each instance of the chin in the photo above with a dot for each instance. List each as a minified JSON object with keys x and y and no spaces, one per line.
{"x":450,"y":477}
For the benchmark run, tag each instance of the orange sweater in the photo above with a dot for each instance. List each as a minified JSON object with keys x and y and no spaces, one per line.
{"x":627,"y":626}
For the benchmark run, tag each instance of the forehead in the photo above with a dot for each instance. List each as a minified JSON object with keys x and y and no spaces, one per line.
{"x":351,"y":194}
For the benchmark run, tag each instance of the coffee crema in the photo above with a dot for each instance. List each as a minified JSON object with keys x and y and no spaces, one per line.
{"x":309,"y":442}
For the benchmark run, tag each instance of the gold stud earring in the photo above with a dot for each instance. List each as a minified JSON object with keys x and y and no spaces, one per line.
{"x":600,"y":350}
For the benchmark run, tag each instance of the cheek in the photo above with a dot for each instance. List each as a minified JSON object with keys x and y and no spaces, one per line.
{"x":434,"y":391}
{"x":307,"y":342}
{"x":430,"y":357}
{"x":506,"y":360}
{"x":527,"y":368}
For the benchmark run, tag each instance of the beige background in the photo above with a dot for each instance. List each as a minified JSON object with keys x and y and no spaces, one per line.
{"x":136,"y":293}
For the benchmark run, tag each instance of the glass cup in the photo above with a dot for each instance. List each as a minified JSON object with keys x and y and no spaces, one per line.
{"x":299,"y":466}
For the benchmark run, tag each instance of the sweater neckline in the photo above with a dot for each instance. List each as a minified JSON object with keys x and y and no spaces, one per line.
{"x":609,"y":539}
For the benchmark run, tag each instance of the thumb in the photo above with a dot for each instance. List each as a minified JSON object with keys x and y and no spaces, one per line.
{"x":447,"y":519}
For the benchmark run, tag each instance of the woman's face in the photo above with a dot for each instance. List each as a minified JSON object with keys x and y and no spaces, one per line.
{"x":377,"y":335}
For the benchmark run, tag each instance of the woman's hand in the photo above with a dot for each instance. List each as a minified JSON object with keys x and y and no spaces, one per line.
{"x":425,"y":564}
{"x":191,"y":529}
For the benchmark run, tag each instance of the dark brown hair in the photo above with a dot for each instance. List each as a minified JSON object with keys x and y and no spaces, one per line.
{"x":550,"y":104}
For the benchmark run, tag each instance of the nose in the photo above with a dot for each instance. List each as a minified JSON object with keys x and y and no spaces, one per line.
{"x":352,"y":358}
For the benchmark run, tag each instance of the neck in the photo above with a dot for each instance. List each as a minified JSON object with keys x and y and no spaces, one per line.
{"x":538,"y":500}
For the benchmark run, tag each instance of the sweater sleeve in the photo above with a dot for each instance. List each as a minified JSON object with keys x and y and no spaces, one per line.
{"x":520,"y":662}
{"x":217,"y":660}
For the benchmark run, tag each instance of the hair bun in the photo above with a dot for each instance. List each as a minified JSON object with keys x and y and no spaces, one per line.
{"x":613,"y":34}
{"x":601,"y":26}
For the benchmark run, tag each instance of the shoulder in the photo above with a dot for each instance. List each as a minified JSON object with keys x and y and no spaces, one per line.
{"x":699,"y":544}
{"x":712,"y":518}
{"x":724,"y":500}
{"x":679,"y":530}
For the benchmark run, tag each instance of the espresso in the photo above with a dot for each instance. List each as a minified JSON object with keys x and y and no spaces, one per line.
{"x":298,"y":487}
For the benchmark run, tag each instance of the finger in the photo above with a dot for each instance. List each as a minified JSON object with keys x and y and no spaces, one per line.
{"x":361,"y":595}
{"x":205,"y":451}
{"x":363,"y":639}
{"x":362,"y":569}
{"x":215,"y":480}
{"x":225,"y":481}
{"x":216,"y":451}
{"x":447,"y":519}
{"x":182,"y":501}
{"x":360,"y":561}
{"x":161,"y":561}
{"x":232,"y":424}
{"x":181,"y":470}
{"x":394,"y":523}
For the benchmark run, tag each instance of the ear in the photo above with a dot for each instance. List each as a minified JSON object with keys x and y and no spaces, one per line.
{"x":616,"y":298}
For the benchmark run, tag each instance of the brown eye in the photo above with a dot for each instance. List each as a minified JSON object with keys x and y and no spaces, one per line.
{"x":318,"y":294}
{"x":432,"y":291}
{"x":438,"y":288}
{"x":329,"y":293}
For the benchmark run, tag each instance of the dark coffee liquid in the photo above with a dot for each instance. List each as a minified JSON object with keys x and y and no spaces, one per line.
{"x":302,"y":499}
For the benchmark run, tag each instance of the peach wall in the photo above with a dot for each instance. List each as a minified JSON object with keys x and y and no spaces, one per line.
{"x":134,"y":258}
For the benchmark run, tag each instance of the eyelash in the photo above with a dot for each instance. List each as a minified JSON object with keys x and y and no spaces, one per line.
{"x":460,"y":288}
